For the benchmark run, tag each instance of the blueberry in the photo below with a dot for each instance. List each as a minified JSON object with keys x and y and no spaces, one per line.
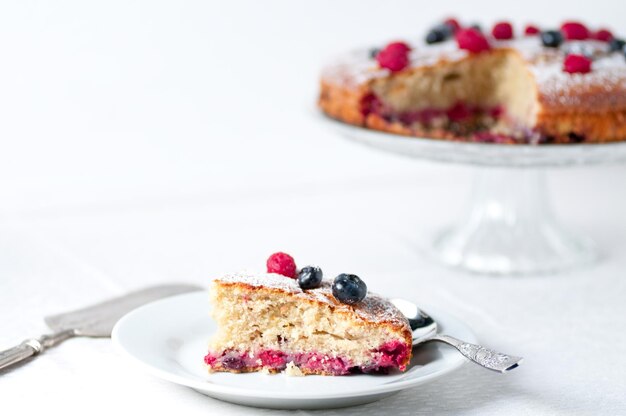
{"x":445,"y":29}
{"x":310,"y":277}
{"x":551,"y":38}
{"x":477,"y":27}
{"x":232,"y":363}
{"x":434,"y":36}
{"x":616,"y":45}
{"x":373,"y":53}
{"x":349,"y":288}
{"x":438,"y":34}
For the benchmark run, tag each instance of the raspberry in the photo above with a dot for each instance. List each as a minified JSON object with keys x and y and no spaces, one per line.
{"x":577,"y":64}
{"x":496,"y":111}
{"x":531,"y":30}
{"x":271,"y":358}
{"x":394,"y":56}
{"x":603,"y":35}
{"x":502,"y":31}
{"x":282,"y":263}
{"x":458,"y":112}
{"x":209,"y":359}
{"x":452,"y":23}
{"x":574,"y":31}
{"x":398,"y":47}
{"x":472,"y":40}
{"x":370,"y":103}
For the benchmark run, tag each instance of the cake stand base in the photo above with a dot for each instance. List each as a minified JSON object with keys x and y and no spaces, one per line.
{"x":509,"y":229}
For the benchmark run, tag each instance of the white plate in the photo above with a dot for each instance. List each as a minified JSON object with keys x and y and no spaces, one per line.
{"x":169,"y":337}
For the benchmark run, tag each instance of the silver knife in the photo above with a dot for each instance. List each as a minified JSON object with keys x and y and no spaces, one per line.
{"x":93,"y":321}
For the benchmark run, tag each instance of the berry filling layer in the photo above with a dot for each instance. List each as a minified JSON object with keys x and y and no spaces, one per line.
{"x":484,"y":124}
{"x":389,"y":356}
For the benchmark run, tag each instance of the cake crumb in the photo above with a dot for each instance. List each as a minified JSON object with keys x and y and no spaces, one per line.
{"x":293,"y":370}
{"x":265,"y":371}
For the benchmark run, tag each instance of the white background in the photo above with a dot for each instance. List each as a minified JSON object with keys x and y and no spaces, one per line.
{"x":146,"y":142}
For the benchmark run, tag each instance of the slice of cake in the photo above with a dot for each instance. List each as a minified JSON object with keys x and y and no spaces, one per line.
{"x":268,"y":322}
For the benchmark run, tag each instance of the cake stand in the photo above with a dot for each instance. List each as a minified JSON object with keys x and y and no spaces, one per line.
{"x":509,"y":227}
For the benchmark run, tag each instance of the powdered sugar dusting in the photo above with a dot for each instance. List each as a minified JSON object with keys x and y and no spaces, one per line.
{"x":608,"y":75}
{"x":272,"y":280}
{"x":353,"y":69}
{"x":373,"y":308}
{"x":555,"y":87}
{"x":358,"y":67}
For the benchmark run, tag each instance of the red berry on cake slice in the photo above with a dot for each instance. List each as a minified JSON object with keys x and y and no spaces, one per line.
{"x":603,"y":35}
{"x":575,"y":31}
{"x":472,"y":40}
{"x":530,"y":30}
{"x":502,"y":31}
{"x":282,"y":263}
{"x":577,"y":64}
{"x":394,"y":57}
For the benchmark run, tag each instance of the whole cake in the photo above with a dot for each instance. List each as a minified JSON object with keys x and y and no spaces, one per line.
{"x":271,"y":322}
{"x":460,"y":83}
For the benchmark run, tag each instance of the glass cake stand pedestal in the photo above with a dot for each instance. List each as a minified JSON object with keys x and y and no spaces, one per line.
{"x":509,"y":227}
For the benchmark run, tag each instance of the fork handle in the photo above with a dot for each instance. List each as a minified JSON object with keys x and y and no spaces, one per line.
{"x":19,"y":353}
{"x":32,"y":346}
{"x":480,"y":355}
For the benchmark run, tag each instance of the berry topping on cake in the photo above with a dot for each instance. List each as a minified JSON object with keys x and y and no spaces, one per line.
{"x":472,"y":40}
{"x":603,"y":35}
{"x":530,"y":30}
{"x":394,"y":57}
{"x":398,"y":47}
{"x":617,"y":45}
{"x":349,"y":288}
{"x":439,"y":34}
{"x":452,"y":23}
{"x":282,"y":263}
{"x":577,"y":64}
{"x":551,"y":38}
{"x":373,"y":53}
{"x":310,"y":277}
{"x":575,"y":31}
{"x":502,"y":31}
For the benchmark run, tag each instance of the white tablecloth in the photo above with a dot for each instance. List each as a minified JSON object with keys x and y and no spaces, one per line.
{"x":150,"y":142}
